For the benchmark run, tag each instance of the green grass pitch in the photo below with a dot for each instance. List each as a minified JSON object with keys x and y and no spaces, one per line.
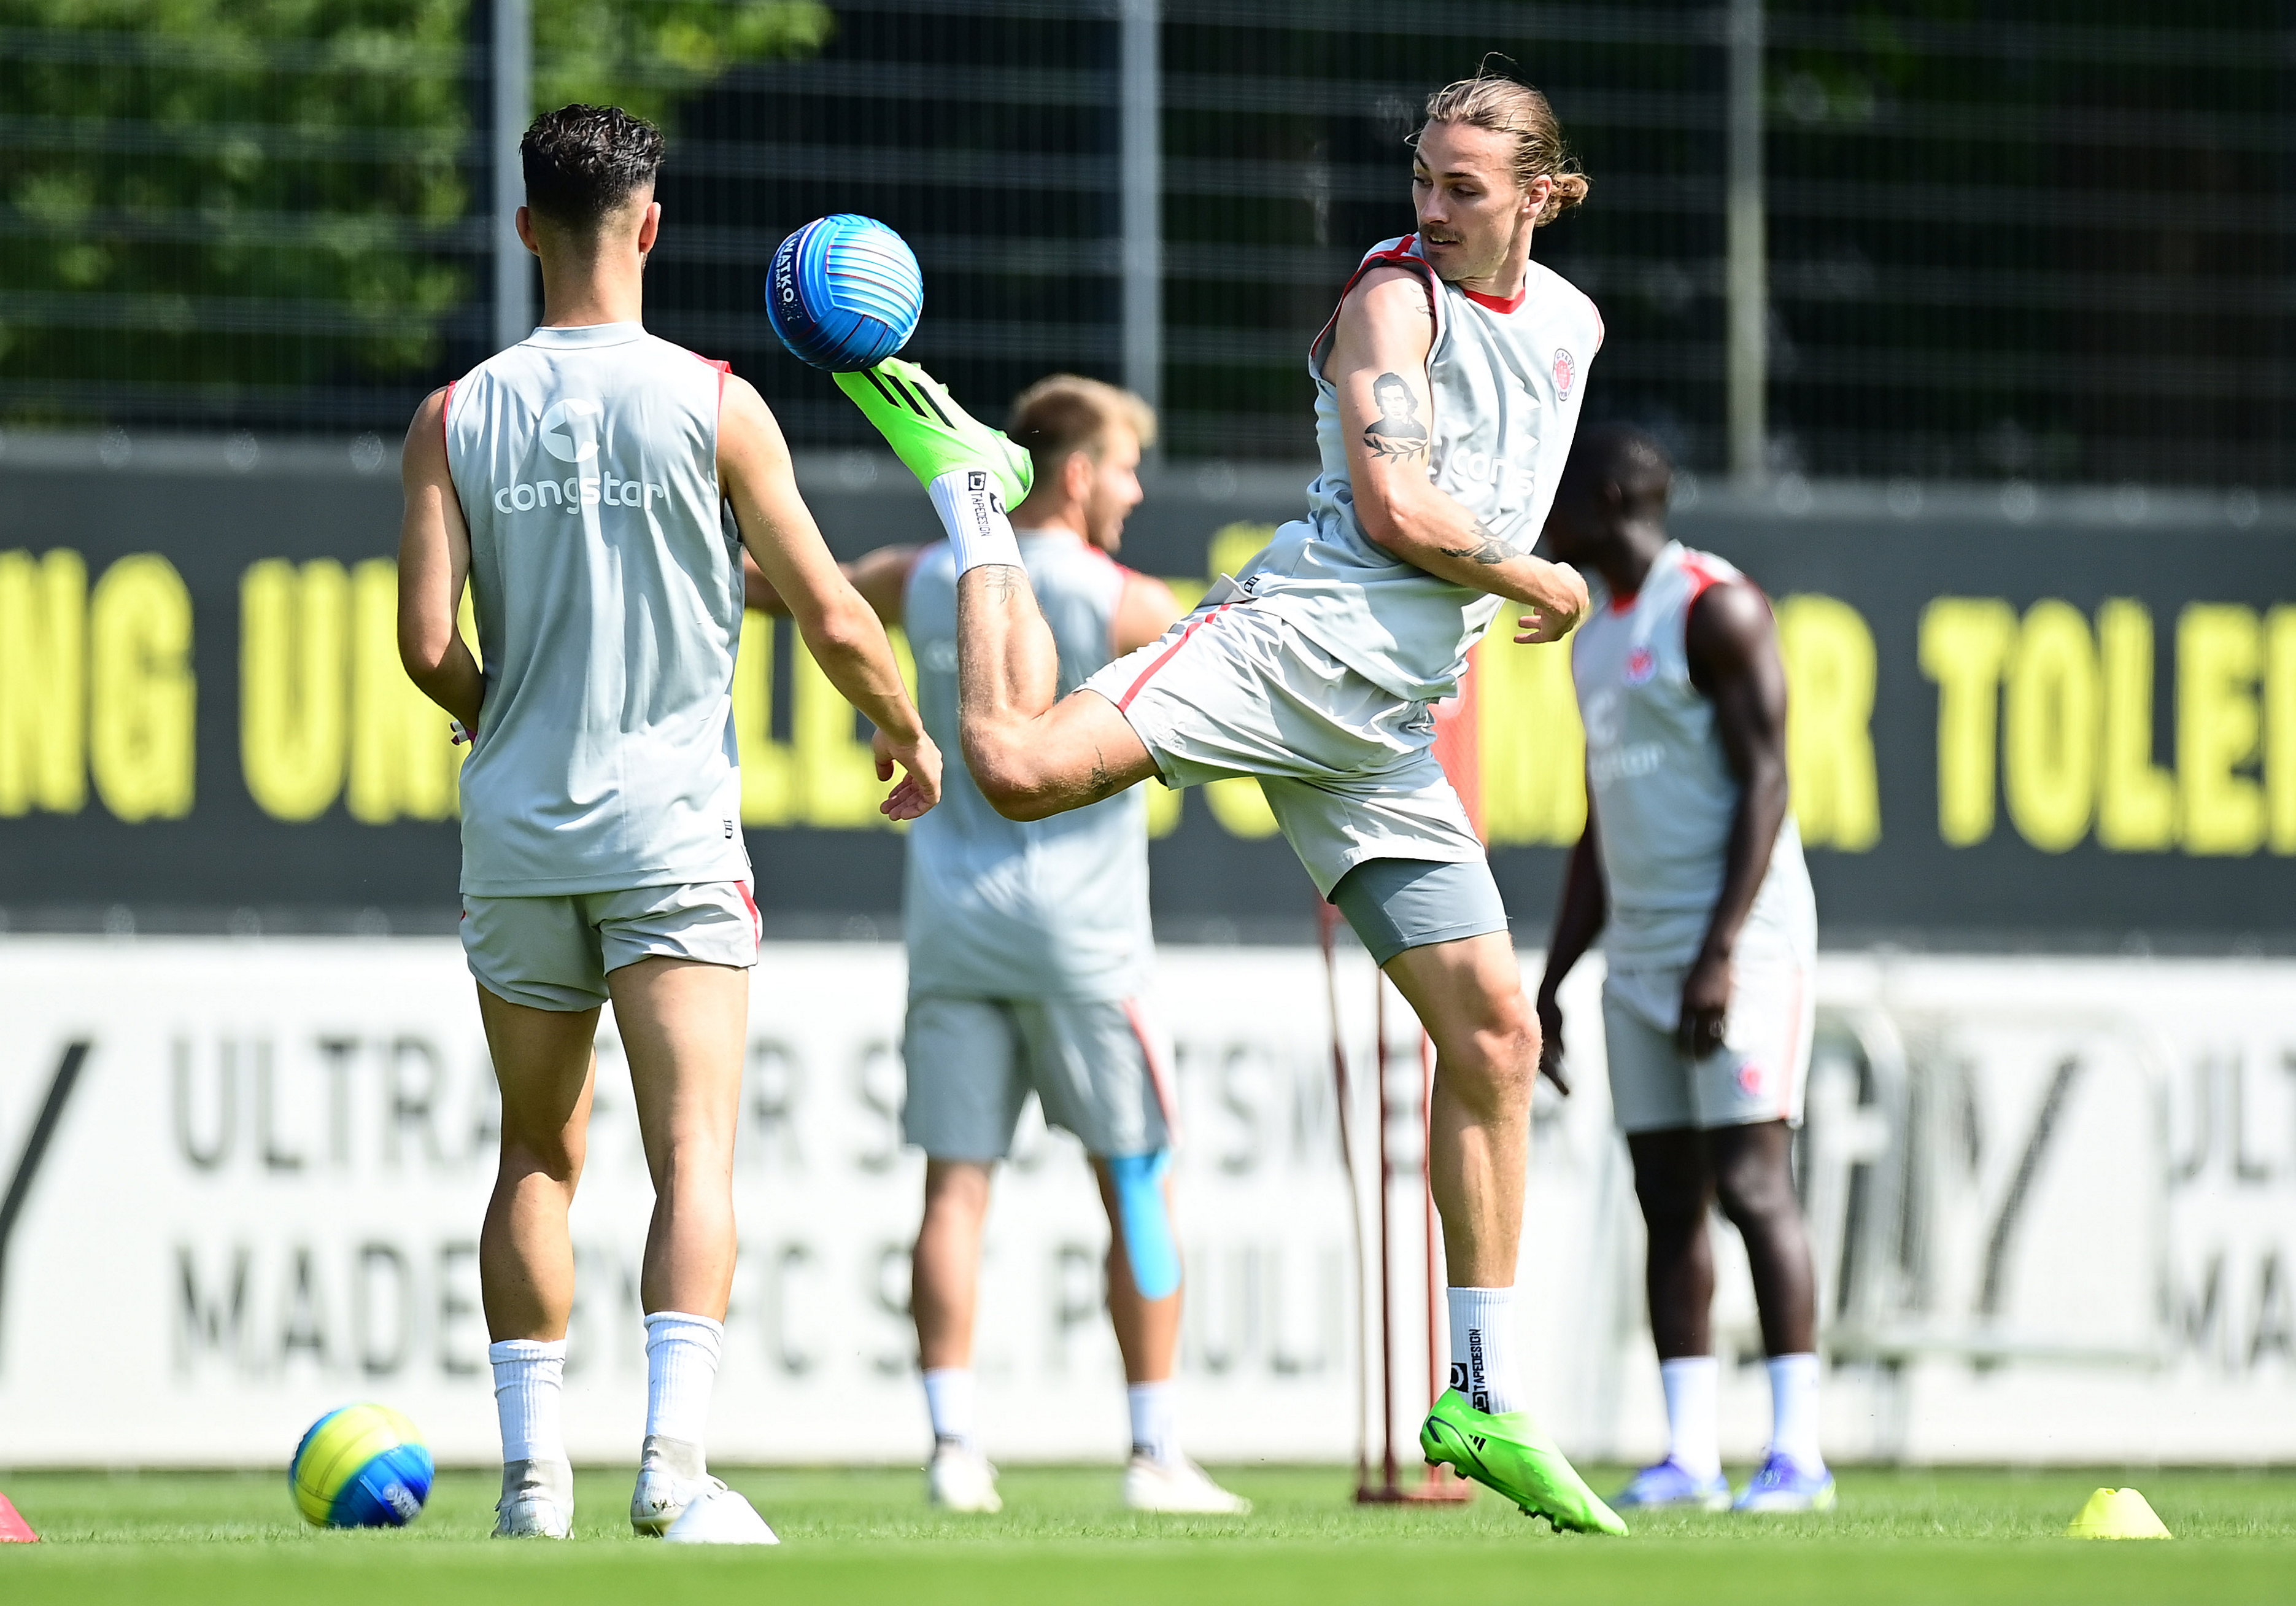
{"x":863,"y":1537}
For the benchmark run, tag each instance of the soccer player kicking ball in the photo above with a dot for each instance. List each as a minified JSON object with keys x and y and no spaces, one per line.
{"x":1690,"y":869}
{"x":1447,"y":386}
{"x":1029,"y":950}
{"x":577,"y":481}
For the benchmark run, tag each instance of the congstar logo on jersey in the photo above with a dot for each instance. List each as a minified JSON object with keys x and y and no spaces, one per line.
{"x":1466,"y":467}
{"x":568,"y":432}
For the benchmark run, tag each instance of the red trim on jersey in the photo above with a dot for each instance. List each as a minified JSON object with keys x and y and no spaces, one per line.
{"x":1704,"y":580}
{"x":1510,"y":304}
{"x":1701,"y":578}
{"x":1791,"y":1068}
{"x":725,"y":371}
{"x":1600,"y":332}
{"x":1400,"y":257}
{"x":757,"y":920}
{"x":1165,"y":656}
{"x":1157,"y":1075}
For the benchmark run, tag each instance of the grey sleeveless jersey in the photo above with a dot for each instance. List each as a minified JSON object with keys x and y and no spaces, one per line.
{"x":1507,"y":379}
{"x":1663,"y":792}
{"x":997,"y":908}
{"x":607,"y":582}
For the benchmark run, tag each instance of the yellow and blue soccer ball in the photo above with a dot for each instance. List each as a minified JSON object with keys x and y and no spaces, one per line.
{"x":845,"y":292}
{"x":363,"y":1466}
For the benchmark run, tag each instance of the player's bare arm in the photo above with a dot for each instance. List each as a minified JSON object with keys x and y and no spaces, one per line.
{"x":1145,"y":611}
{"x":1732,"y":643}
{"x":840,"y":628}
{"x":1578,"y":920}
{"x":434,"y":562}
{"x":1379,"y":364}
{"x":882,"y":578}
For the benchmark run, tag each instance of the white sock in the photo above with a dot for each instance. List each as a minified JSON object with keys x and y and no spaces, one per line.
{"x":948,"y":1400}
{"x":1793,"y":1409}
{"x":529,"y":1379}
{"x":974,"y":517}
{"x":681,"y":1369}
{"x":1483,"y":1359}
{"x":1693,"y":1439}
{"x":1155,"y":1420}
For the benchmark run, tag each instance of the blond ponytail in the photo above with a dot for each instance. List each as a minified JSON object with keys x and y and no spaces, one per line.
{"x":1506,"y":107}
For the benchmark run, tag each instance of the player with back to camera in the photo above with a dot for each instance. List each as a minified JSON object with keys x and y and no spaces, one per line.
{"x":1691,"y":870}
{"x":1446,"y":389}
{"x":1030,"y":951}
{"x":581,"y":482}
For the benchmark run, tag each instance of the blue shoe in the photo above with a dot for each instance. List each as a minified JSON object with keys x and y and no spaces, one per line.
{"x":1669,"y":1483}
{"x":1784,"y":1486}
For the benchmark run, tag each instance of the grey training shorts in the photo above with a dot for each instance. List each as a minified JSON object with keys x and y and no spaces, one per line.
{"x":1760,"y":1072}
{"x":1400,"y":903}
{"x":1096,"y":1066}
{"x":553,"y":952}
{"x":1347,"y":766}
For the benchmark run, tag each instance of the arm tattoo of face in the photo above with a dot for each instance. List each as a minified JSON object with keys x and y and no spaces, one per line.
{"x":1398,"y":432}
{"x":1485,"y":547}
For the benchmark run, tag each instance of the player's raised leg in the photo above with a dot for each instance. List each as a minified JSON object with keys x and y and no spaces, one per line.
{"x":683,"y":1025}
{"x":543,"y":1064}
{"x":1468,"y":993}
{"x":1032,"y":756}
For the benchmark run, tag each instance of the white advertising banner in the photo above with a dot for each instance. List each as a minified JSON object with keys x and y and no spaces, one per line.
{"x":2055,"y":1204}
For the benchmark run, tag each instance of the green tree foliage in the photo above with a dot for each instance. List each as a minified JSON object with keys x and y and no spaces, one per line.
{"x":277,"y":197}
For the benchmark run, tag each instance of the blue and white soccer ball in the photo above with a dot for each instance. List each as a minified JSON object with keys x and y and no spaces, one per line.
{"x":362,"y":1466}
{"x":845,"y":292}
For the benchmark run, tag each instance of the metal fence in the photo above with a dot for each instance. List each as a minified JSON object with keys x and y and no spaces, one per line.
{"x":2046,"y":246}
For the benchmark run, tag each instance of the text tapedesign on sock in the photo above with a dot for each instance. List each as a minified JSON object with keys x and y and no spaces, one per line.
{"x":1480,"y":1397}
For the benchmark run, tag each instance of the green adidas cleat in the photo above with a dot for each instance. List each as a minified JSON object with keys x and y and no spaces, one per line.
{"x":1508,"y":1453}
{"x":929,"y":432}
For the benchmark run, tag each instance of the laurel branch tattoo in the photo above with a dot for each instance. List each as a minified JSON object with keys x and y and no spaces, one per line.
{"x":1488,"y":548}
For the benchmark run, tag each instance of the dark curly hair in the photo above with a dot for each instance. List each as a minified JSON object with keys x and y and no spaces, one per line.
{"x":583,"y":162}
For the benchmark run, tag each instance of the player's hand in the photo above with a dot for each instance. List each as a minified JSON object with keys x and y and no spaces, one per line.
{"x":1550,"y":1044}
{"x":920,"y":787}
{"x":1538,"y":628}
{"x":1557,"y":614}
{"x":1705,"y":1006}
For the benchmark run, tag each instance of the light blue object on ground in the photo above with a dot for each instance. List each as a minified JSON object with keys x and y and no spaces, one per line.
{"x":1148,"y":1242}
{"x":1784,"y":1485}
{"x":1670,"y":1484}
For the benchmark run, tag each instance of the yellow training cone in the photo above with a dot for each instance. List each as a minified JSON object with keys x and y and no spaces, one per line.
{"x":2117,"y":1514}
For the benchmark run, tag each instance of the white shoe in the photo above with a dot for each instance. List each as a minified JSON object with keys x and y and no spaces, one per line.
{"x":960,"y":1480}
{"x":670,"y":1477}
{"x":1177,"y":1486}
{"x":717,"y":1515}
{"x":537,"y":1501}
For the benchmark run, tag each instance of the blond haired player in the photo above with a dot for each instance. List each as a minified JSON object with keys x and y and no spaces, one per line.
{"x":581,"y":482}
{"x":1030,"y":951}
{"x":1447,"y":386}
